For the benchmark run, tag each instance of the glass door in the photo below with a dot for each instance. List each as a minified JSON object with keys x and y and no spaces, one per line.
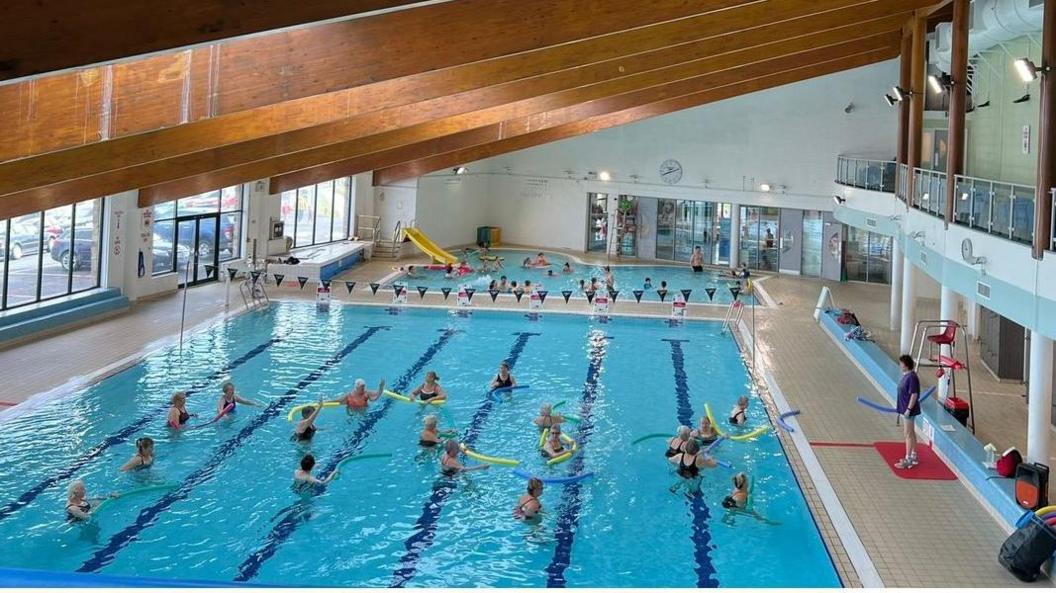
{"x":597,"y":222}
{"x":684,"y":230}
{"x":627,"y":226}
{"x":810,"y":264}
{"x":197,"y":246}
{"x":665,"y":229}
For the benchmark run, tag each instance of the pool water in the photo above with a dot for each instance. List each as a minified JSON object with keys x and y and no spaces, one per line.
{"x":628,"y":278}
{"x":232,"y":515}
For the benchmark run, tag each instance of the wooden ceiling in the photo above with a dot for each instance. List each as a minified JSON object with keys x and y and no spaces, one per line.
{"x":402,"y":93}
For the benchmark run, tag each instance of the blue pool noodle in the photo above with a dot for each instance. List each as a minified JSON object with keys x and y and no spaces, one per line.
{"x":888,"y":410}
{"x":784,"y":425}
{"x":500,"y":390}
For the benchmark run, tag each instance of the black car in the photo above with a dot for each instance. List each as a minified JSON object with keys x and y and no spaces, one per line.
{"x":25,"y":240}
{"x":81,"y":254}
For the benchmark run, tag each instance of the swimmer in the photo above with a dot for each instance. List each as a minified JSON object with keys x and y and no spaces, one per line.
{"x":529,"y":506}
{"x":738,"y":415}
{"x":430,"y":435}
{"x":503,"y":378}
{"x":493,"y":285}
{"x":450,"y":465}
{"x":677,"y":443}
{"x":230,"y":398}
{"x":528,"y":286}
{"x":449,"y":271}
{"x":540,"y":260}
{"x":706,"y":433}
{"x":610,"y":280}
{"x":78,"y":505}
{"x":178,"y":415}
{"x":593,"y":284}
{"x":744,"y":272}
{"x":738,"y":499}
{"x":553,"y":445}
{"x":412,"y":272}
{"x":648,"y":283}
{"x":527,"y":263}
{"x":144,"y":456}
{"x":513,"y":286}
{"x":360,"y":397}
{"x":690,"y":461}
{"x":567,"y":269}
{"x":696,"y":261}
{"x":547,"y":418}
{"x":663,"y":285}
{"x":305,"y":429}
{"x":504,"y":284}
{"x":303,"y":478}
{"x":429,"y":389}
{"x":550,"y":273}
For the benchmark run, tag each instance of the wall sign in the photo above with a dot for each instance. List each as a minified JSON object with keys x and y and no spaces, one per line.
{"x":1026,"y":139}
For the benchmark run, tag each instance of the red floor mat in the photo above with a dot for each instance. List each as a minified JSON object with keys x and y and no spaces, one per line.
{"x":929,"y":468}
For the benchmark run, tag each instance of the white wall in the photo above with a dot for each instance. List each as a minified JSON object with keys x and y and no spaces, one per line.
{"x":542,"y":212}
{"x":395,"y":203}
{"x":449,"y":208}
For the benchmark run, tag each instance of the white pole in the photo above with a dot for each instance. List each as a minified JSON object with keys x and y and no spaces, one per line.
{"x":909,"y":302}
{"x":896,"y":284}
{"x":947,"y":312}
{"x":1039,"y":396}
{"x":186,"y":282}
{"x":735,"y":234}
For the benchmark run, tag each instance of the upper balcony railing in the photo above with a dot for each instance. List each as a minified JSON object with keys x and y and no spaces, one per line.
{"x":995,"y":207}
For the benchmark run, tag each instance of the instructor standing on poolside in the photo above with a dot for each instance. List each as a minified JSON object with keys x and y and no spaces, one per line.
{"x":909,"y":408}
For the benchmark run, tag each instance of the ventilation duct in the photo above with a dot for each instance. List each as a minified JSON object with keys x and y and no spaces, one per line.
{"x":990,"y":22}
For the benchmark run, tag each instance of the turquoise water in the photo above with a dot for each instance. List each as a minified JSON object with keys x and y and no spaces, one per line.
{"x":394,"y":521}
{"x":628,"y":278}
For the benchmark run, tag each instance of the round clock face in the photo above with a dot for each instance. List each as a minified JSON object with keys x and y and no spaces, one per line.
{"x":670,"y":171}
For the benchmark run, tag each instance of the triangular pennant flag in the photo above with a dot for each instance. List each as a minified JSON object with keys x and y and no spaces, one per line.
{"x":326,"y":284}
{"x":518,"y":293}
{"x":686,"y":292}
{"x":711,"y":292}
{"x":613,"y":293}
{"x":446,"y":291}
{"x":735,"y":291}
{"x":567,"y":294}
{"x":302,"y":280}
{"x":494,"y":292}
{"x":255,"y":275}
{"x":278,"y":279}
{"x":349,"y":285}
{"x":209,"y":269}
{"x":469,"y":294}
{"x":542,"y":295}
{"x":374,"y":287}
{"x":590,"y":296}
{"x":663,"y":294}
{"x":396,"y":289}
{"x":637,"y":295}
{"x":421,"y":291}
{"x":231,"y":273}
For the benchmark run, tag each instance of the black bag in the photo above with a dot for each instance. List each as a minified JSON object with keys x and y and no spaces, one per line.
{"x":1027,"y":549}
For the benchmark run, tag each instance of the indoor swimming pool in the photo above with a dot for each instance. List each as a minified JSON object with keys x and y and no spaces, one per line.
{"x":225,"y":510}
{"x":628,"y":278}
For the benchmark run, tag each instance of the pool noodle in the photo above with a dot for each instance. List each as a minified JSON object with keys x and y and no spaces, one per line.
{"x":222,"y":413}
{"x":488,"y":458}
{"x":878,"y":407}
{"x":654,"y":435}
{"x":714,"y":444}
{"x":403,"y":398}
{"x":567,"y":480}
{"x":784,"y":425}
{"x":495,"y":393}
{"x":739,"y":437}
{"x":135,"y":491}
{"x":566,"y":455}
{"x":295,"y":409}
{"x":352,"y":458}
{"x":558,"y":404}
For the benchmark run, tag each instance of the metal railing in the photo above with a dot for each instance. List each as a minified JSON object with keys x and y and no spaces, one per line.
{"x":872,"y":174}
{"x":995,"y":207}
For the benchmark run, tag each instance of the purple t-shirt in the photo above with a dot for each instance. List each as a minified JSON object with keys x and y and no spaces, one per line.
{"x":907,"y":386}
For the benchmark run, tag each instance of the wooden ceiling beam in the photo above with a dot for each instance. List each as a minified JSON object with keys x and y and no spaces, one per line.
{"x":49,"y":35}
{"x":439,"y":162}
{"x":363,"y":154}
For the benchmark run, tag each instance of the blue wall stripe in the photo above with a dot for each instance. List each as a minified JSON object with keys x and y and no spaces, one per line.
{"x":572,"y":502}
{"x":300,"y":511}
{"x":124,"y":434}
{"x":148,"y":515}
{"x":701,"y":516}
{"x":425,"y":528}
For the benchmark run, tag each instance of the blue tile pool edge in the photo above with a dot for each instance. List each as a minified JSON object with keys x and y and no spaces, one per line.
{"x":30,"y":578}
{"x":958,"y":448}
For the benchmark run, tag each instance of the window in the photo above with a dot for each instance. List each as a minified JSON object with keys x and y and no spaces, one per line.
{"x":597,"y":222}
{"x":318,"y":213}
{"x":868,"y":256}
{"x":759,"y":231}
{"x":813,"y":225}
{"x":216,"y":219}
{"x":50,"y":254}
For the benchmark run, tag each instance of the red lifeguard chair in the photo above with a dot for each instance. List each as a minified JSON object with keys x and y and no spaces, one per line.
{"x":936,"y":334}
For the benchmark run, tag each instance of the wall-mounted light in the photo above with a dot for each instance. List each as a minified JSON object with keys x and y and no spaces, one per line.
{"x":840,"y":200}
{"x":916,"y":235}
{"x":900,"y":93}
{"x":891,"y":101}
{"x":940,"y":82}
{"x":1029,"y":71}
{"x":460,"y":170}
{"x":764,"y":187}
{"x":604,"y":175}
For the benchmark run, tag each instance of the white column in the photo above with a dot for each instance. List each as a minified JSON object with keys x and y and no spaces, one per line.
{"x":971,"y":322}
{"x":909,"y":305}
{"x":896,"y":283}
{"x":947,"y":311}
{"x":735,"y":234}
{"x":1039,"y":395}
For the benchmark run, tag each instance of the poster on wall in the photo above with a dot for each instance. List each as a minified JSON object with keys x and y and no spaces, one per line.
{"x":117,"y":232}
{"x":146,"y":228}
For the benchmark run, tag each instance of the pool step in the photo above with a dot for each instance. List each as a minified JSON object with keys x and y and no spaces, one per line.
{"x":23,"y":323}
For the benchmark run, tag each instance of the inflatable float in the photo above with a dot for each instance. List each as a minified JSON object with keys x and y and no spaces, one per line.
{"x":887,"y":410}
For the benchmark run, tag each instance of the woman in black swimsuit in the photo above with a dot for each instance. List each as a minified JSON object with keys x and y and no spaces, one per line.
{"x":739,"y":413}
{"x":677,"y":443}
{"x":450,"y":466}
{"x":503,"y":378}
{"x":429,"y":389}
{"x":178,"y":415}
{"x":689,"y":462}
{"x":78,"y":505}
{"x":529,"y":506}
{"x":305,"y":429}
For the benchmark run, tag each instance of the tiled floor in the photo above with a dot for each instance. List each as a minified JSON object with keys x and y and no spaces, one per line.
{"x":918,"y":533}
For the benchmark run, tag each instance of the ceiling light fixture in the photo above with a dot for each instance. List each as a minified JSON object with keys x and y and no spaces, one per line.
{"x":604,"y":176}
{"x":940,"y":82}
{"x":460,"y":170}
{"x":1029,"y":71}
{"x":764,"y":187}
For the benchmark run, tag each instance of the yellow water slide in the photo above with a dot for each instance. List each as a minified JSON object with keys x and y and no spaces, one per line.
{"x":423,"y":242}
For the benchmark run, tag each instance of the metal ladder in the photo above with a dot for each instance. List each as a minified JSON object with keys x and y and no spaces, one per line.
{"x":252,"y":290}
{"x":370,"y":232}
{"x":734,"y":314}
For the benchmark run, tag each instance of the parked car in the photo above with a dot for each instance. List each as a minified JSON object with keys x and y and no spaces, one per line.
{"x":81,"y":256}
{"x":25,"y":240}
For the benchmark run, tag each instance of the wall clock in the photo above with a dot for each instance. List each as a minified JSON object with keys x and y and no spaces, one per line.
{"x":670,"y":171}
